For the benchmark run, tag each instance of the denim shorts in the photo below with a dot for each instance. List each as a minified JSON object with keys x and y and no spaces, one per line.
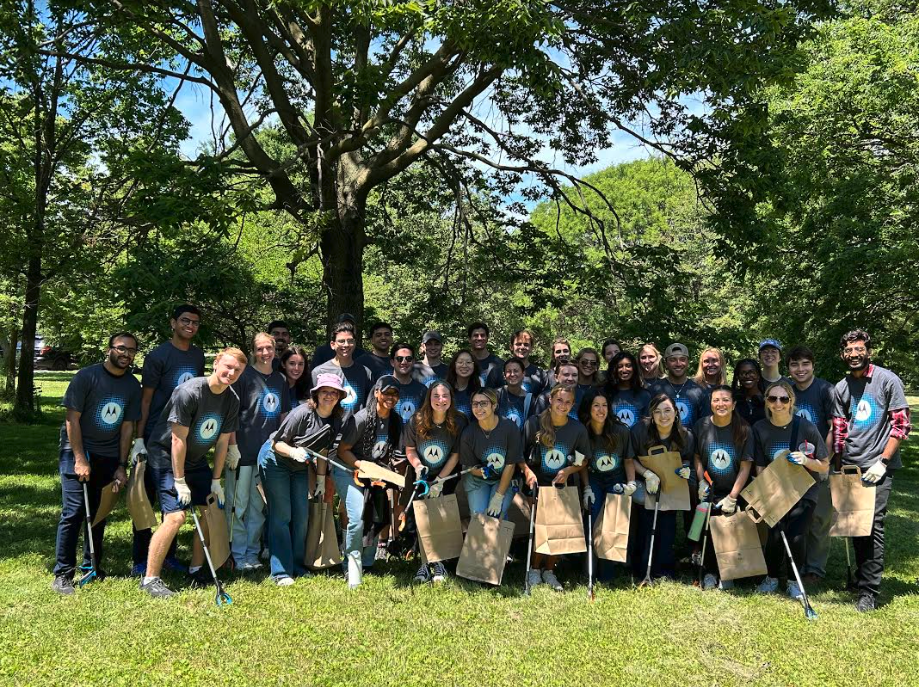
{"x":198,"y":480}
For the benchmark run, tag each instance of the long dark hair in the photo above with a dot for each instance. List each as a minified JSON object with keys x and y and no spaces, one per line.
{"x":370,"y":434}
{"x":611,"y":386}
{"x":739,"y":427}
{"x":735,"y":382}
{"x":301,"y":387}
{"x":678,"y":435}
{"x":474,"y":383}
{"x":608,"y":435}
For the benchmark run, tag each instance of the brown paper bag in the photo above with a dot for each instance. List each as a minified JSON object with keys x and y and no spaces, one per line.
{"x":559,"y":527}
{"x":674,"y":490}
{"x":777,"y":489}
{"x":440,"y":530}
{"x":853,"y":503}
{"x":485,"y":550}
{"x":737,"y":546}
{"x":138,"y":504}
{"x":106,"y":502}
{"x":378,"y":473}
{"x":611,"y":529}
{"x":322,"y":550}
{"x":218,"y":536}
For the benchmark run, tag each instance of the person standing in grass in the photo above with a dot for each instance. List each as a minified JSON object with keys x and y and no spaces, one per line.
{"x":432,"y":446}
{"x":610,"y":462}
{"x":552,"y":442}
{"x":661,"y":429}
{"x":588,"y":362}
{"x":784,"y":436}
{"x":431,"y":368}
{"x":171,"y":363}
{"x":264,"y":401}
{"x":534,"y":377}
{"x":711,"y":371}
{"x":103,"y":403}
{"x":747,"y":387}
{"x":565,"y":374}
{"x":280,"y":332}
{"x":315,"y":424}
{"x":724,"y":449}
{"x":478,"y":335}
{"x":649,"y":358}
{"x":355,"y":377}
{"x":377,"y":360}
{"x":770,"y":357}
{"x":515,"y":403}
{"x":871,"y":419}
{"x":295,"y":370}
{"x":463,"y":377}
{"x":625,"y":390}
{"x":202,"y":413}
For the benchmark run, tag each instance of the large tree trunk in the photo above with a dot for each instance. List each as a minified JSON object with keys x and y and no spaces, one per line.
{"x":9,"y":363}
{"x":25,"y":405}
{"x":342,"y":244}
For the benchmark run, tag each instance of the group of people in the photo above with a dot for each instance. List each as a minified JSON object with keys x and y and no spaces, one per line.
{"x":287,"y":426}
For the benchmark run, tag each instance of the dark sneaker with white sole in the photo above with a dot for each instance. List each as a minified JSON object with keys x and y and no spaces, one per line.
{"x":156,"y":588}
{"x":423,"y":575}
{"x":62,"y":585}
{"x":865,"y":603}
{"x":438,"y":572}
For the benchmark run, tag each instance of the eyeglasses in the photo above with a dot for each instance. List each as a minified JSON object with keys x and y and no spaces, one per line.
{"x":481,"y":404}
{"x":404,"y":358}
{"x":589,"y":363}
{"x":189,"y":323}
{"x":778,"y":399}
{"x":125,"y":350}
{"x":855,"y":349}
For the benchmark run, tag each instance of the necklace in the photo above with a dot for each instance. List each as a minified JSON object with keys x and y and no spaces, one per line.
{"x":674,"y":389}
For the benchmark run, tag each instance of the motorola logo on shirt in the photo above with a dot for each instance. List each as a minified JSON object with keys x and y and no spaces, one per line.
{"x":606,"y":462}
{"x":379,"y":448}
{"x":514,"y":415}
{"x":864,"y":411}
{"x":109,"y":413}
{"x":627,"y":413}
{"x":183,"y":374}
{"x":554,"y":459}
{"x":721,"y":457}
{"x":806,"y":412}
{"x":406,"y":409}
{"x":495,"y":458}
{"x":434,"y":455}
{"x":685,"y":411}
{"x":271,"y":402}
{"x":208,"y":427}
{"x":351,"y":399}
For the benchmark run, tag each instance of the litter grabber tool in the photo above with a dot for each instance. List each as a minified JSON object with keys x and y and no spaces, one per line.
{"x":809,"y":611}
{"x":221,"y":598}
{"x":708,"y":521}
{"x":647,"y":581}
{"x":526,"y":577}
{"x":850,"y":583}
{"x":315,"y":455}
{"x":590,"y":556}
{"x":91,"y":571}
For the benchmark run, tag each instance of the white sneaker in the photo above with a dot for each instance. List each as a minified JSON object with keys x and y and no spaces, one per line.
{"x":248,"y":566}
{"x":548,"y":576}
{"x":534,"y":578}
{"x":794,"y":591}
{"x":709,"y":582}
{"x":768,"y":586}
{"x":284,"y":581}
{"x":355,"y":569}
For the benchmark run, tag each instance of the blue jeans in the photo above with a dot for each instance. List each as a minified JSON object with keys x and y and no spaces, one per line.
{"x":480,"y":491}
{"x":601,"y":487}
{"x":245,"y":513}
{"x":353,"y":498}
{"x":287,"y":492}
{"x":73,"y":511}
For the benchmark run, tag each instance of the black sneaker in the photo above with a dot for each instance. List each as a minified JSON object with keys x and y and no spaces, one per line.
{"x":62,"y":585}
{"x":157,"y":589}
{"x":423,"y":575}
{"x":438,"y":572}
{"x":200,"y":578}
{"x":865,"y":603}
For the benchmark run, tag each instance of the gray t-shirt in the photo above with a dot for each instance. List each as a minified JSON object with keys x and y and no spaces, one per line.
{"x":438,"y":446}
{"x":104,"y":402}
{"x":547,"y":462}
{"x":719,"y":455}
{"x":206,"y":414}
{"x":690,"y":399}
{"x":607,"y":465}
{"x":816,"y":404}
{"x":534,"y":379}
{"x":630,"y":406}
{"x":165,"y":367}
{"x":427,"y":375}
{"x":353,"y":435}
{"x":301,"y":428}
{"x":866,"y":403}
{"x":499,"y":447}
{"x":769,"y":441}
{"x":357,"y":380}
{"x":411,"y":398}
{"x":263,"y":399}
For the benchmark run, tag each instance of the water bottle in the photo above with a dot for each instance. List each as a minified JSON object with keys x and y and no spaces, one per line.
{"x":698,"y":521}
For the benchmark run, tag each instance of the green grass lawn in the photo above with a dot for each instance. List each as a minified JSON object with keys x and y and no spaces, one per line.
{"x":389,"y":633}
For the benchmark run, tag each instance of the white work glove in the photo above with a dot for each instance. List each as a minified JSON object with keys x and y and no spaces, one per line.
{"x":436,"y":490}
{"x":652,"y":482}
{"x":797,"y":458}
{"x":589,"y":498}
{"x":184,"y":493}
{"x":138,"y":449}
{"x":727,"y":505}
{"x":299,"y":454}
{"x":494,"y":506}
{"x":683,"y":472}
{"x":875,"y":473}
{"x":233,"y":456}
{"x":629,"y":488}
{"x":217,"y":491}
{"x":703,"y":491}
{"x":578,"y":459}
{"x":320,"y":487}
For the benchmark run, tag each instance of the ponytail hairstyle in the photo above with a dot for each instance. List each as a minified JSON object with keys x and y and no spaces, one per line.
{"x":608,"y":437}
{"x":546,"y":433}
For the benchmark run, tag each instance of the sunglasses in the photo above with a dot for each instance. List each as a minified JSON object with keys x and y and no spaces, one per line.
{"x":404,"y":358}
{"x":778,"y":399}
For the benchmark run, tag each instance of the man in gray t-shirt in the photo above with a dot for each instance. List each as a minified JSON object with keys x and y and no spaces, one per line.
{"x":870,"y":419}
